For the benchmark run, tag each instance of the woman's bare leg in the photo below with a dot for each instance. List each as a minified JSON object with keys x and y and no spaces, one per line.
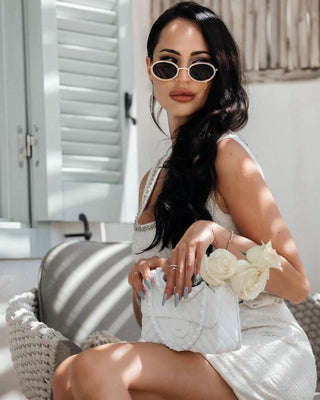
{"x":61,"y":380}
{"x":139,"y":371}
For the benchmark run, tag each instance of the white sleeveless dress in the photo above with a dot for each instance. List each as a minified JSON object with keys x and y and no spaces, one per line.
{"x":275,"y":361}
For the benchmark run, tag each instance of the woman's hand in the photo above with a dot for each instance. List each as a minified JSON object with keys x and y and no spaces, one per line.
{"x":141,"y":272}
{"x":187,"y":256}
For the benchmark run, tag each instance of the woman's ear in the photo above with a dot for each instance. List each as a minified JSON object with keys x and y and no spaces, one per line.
{"x":148,"y":63}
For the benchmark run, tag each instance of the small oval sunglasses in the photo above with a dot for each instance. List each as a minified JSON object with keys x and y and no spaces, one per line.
{"x":166,"y":70}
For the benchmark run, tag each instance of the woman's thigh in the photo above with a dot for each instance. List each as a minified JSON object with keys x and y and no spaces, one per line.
{"x":153,"y":372}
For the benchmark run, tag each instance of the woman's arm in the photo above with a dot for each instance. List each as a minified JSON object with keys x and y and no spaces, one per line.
{"x":245,"y":196}
{"x":256,"y":215}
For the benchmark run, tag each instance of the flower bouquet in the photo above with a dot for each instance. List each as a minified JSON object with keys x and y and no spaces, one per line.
{"x":247,"y":277}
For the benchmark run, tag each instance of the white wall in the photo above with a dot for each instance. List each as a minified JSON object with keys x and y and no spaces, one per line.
{"x":282,"y":131}
{"x":151,"y":142}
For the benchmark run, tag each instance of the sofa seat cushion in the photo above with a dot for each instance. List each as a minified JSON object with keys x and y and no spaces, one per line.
{"x":83,"y":288}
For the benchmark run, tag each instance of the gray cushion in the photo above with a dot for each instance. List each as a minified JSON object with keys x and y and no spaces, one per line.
{"x":83,"y":288}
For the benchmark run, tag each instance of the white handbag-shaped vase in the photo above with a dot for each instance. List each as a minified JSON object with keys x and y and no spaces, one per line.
{"x":206,"y":322}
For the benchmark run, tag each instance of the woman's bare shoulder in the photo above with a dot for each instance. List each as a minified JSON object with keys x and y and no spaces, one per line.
{"x":233,"y":158}
{"x":232,"y":146}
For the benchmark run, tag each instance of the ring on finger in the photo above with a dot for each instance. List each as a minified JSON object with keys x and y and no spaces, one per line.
{"x":173,"y":266}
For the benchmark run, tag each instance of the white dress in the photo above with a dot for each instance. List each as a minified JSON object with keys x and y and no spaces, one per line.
{"x":275,"y":361}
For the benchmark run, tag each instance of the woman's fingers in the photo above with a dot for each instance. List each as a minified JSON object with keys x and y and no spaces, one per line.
{"x":140,"y":276}
{"x":180,"y":258}
{"x":171,"y":283}
{"x":180,"y":273}
{"x":184,"y":263}
{"x":187,"y":256}
{"x":197,"y":264}
{"x":190,"y":270}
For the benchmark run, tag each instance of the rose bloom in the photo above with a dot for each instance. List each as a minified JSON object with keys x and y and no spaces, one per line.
{"x":264,"y":256}
{"x":249,"y":280}
{"x":219,"y":266}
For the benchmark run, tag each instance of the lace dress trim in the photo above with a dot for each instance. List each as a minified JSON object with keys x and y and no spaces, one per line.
{"x":152,"y":178}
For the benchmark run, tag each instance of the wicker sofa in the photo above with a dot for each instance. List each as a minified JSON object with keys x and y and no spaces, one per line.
{"x":83,"y":300}
{"x":82,"y":289}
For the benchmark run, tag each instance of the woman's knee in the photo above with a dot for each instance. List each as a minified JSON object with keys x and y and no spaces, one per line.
{"x":102,"y":366}
{"x":82,"y":371}
{"x":61,"y":380}
{"x":92,"y":367}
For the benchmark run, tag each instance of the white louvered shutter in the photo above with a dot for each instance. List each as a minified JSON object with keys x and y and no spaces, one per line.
{"x":86,"y":163}
{"x":89,"y":98}
{"x":89,"y":90}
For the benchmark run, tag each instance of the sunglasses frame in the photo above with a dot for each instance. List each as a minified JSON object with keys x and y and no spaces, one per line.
{"x":184,"y":68}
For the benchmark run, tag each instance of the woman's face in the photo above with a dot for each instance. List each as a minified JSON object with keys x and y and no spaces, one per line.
{"x":182,"y":42}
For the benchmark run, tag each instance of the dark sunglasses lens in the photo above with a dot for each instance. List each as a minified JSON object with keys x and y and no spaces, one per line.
{"x":164,"y":70}
{"x":201,"y":72}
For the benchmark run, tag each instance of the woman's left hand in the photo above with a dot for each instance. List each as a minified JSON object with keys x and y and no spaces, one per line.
{"x":187,"y":256}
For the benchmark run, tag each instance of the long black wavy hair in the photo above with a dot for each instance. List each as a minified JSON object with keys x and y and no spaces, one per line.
{"x":190,"y":170}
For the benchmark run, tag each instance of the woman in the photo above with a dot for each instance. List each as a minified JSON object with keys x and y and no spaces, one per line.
{"x":192,"y":199}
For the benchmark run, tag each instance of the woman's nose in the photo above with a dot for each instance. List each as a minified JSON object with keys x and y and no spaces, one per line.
{"x":183,"y":74}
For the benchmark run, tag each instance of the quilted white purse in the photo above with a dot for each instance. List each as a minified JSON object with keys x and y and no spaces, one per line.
{"x":206,"y":322}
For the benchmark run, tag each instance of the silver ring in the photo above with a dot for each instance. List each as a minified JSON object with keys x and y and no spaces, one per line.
{"x":173,"y":266}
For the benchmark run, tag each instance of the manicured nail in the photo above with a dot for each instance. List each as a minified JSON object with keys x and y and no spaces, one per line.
{"x":185,"y":292}
{"x":176,"y":299}
{"x":148,"y":283}
{"x":141,"y":294}
{"x":164,"y":298}
{"x":138,"y":300}
{"x":197,"y":278}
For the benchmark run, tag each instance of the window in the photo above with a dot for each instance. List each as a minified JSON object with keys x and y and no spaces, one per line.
{"x":65,"y":146}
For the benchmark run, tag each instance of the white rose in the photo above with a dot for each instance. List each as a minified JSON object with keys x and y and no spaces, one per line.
{"x":264,"y":256}
{"x":219,"y":266}
{"x":249,"y":280}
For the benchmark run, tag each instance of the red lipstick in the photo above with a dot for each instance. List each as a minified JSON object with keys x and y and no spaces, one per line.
{"x":182,"y":95}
